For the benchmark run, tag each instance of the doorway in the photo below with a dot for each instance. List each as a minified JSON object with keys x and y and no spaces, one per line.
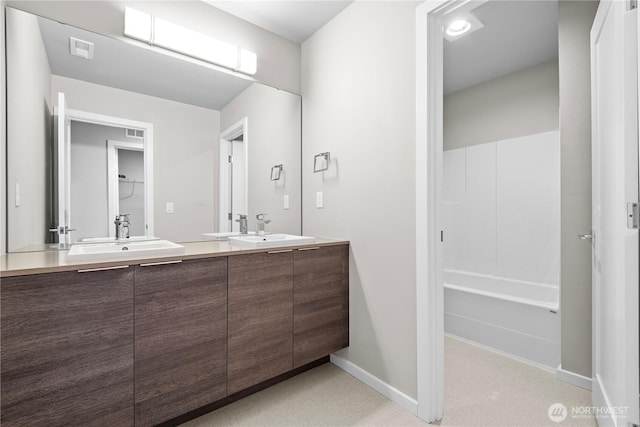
{"x":429,"y":196}
{"x":233,"y":188}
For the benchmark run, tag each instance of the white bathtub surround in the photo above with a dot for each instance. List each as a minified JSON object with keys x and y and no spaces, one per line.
{"x":502,"y":246}
{"x":502,"y":208}
{"x":515,"y":317}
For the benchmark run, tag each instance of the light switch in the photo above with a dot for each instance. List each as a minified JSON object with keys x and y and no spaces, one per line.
{"x":319,"y":200}
{"x":285,"y":201}
{"x":17,"y":195}
{"x":169,"y":207}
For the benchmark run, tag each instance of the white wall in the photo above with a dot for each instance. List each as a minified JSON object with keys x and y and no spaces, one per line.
{"x":522,"y":103}
{"x":278,"y":58}
{"x":273,"y":138}
{"x":358,"y":91}
{"x":29,"y":113}
{"x":502,"y":208}
{"x":89,"y":188}
{"x":576,"y":18}
{"x":185,"y":152}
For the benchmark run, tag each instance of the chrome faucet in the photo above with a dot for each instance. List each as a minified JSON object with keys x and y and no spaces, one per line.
{"x":122,"y":226}
{"x":261,"y":223}
{"x":242,"y":219}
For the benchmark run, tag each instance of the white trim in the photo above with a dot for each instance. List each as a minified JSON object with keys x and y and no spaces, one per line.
{"x":100,"y":119}
{"x":239,"y":128}
{"x":112,"y":178}
{"x":388,"y":391}
{"x":429,"y":251}
{"x":573,"y":378}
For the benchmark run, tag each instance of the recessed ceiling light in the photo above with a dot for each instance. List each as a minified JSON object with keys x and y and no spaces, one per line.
{"x":458,"y":27}
{"x":81,"y":48}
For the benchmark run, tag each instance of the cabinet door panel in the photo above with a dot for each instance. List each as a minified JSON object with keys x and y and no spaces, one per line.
{"x":181,"y":338}
{"x":321,"y":303}
{"x":67,"y":349}
{"x":260,"y":318}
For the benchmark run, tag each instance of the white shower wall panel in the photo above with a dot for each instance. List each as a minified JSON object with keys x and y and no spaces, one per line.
{"x":528,"y":208}
{"x":502,"y":208}
{"x":470,"y":209}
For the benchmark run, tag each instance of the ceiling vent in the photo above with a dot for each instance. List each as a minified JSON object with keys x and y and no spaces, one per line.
{"x":81,"y":48}
{"x":135,"y":133}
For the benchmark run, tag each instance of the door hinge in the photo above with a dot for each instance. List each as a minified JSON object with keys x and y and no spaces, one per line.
{"x":442,"y":235}
{"x":229,"y":216}
{"x":230,"y":159}
{"x":633,"y":216}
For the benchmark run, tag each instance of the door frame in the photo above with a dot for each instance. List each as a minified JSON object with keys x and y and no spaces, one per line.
{"x":104,"y":120}
{"x":429,"y":248}
{"x":113,"y":170}
{"x":241,"y":127}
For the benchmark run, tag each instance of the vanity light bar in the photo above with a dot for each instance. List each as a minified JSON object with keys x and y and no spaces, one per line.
{"x":159,"y":32}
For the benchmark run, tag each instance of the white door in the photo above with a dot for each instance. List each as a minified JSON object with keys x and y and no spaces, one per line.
{"x":233,"y":192}
{"x":62,"y":135}
{"x":238,"y":185}
{"x":614,"y":74}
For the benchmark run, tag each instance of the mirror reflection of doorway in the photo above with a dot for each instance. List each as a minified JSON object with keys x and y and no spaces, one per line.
{"x":233,"y":176}
{"x":126,"y":184}
{"x":92,"y":202}
{"x":87,"y":182}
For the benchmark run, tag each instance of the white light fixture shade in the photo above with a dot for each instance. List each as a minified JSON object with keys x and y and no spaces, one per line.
{"x":165,"y":34}
{"x":248,"y":62}
{"x":137,"y":25}
{"x":183,"y":40}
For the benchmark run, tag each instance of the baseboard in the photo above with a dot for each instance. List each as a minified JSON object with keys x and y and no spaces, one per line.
{"x":573,"y":378}
{"x":388,"y":391}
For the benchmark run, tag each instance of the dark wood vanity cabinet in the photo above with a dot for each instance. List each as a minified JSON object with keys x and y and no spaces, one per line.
{"x":260,"y":318}
{"x":320,"y":302}
{"x":148,"y":343}
{"x":67,"y":349}
{"x":180,"y":338}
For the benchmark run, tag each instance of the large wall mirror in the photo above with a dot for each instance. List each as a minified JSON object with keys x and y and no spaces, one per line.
{"x":181,"y":146}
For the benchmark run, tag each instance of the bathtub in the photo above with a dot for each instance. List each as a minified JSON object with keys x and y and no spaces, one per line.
{"x":512,"y":316}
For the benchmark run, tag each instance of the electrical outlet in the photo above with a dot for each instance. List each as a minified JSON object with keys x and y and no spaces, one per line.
{"x":319,"y":200}
{"x":169,"y":207}
{"x":285,"y":201}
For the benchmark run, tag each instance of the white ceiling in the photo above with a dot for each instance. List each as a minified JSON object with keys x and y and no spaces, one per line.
{"x":295,"y":20}
{"x":131,"y":67}
{"x":516,"y":35}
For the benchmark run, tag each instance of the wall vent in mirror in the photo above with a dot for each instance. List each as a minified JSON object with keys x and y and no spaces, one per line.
{"x":81,"y":48}
{"x":135,"y":133}
{"x":159,"y":32}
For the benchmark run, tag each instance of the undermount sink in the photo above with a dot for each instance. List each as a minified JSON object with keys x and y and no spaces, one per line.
{"x":121,"y":250}
{"x":276,"y":239}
